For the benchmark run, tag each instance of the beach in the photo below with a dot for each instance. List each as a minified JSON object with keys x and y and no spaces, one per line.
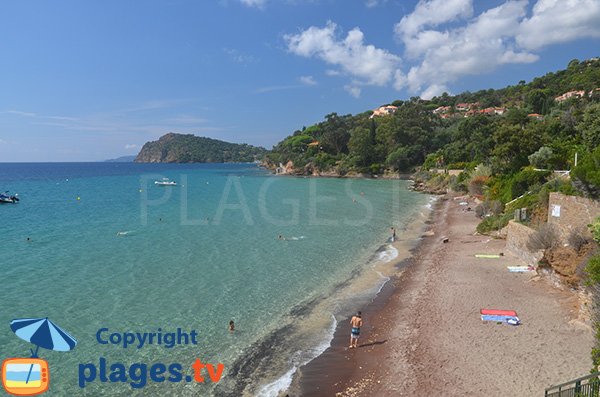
{"x":423,"y":334}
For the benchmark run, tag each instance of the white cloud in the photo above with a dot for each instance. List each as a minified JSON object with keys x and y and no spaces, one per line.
{"x":365,"y":63}
{"x":254,"y":3}
{"x":352,"y":90}
{"x":558,"y":21}
{"x":480,"y":46}
{"x":444,"y":42}
{"x":433,"y":13}
{"x":308,"y":80}
{"x":21,"y":113}
{"x":130,"y":146}
{"x":433,"y":90}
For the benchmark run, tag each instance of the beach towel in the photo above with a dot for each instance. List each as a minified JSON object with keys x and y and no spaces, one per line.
{"x":499,"y":312}
{"x":520,"y":269}
{"x":487,"y":256}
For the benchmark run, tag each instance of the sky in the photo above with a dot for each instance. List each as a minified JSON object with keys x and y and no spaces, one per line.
{"x":93,"y":80}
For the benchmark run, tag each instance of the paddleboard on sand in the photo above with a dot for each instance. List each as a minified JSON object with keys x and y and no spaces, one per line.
{"x":520,"y":269}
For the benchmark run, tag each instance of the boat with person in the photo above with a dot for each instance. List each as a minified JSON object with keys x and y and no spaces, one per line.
{"x":165,"y":182}
{"x":6,"y":198}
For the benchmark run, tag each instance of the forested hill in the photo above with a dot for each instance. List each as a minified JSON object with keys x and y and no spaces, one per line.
{"x":180,"y":148}
{"x":559,"y":112}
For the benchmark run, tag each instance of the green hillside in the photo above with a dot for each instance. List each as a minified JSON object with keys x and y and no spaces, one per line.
{"x":179,"y":148}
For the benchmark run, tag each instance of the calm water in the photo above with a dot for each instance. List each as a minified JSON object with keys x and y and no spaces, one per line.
{"x":110,"y":249}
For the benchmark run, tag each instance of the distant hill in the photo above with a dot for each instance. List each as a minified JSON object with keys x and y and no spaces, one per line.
{"x":122,"y":159}
{"x":180,"y":148}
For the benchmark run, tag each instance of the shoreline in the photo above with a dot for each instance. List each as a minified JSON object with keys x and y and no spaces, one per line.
{"x":331,"y":371}
{"x":423,"y":334}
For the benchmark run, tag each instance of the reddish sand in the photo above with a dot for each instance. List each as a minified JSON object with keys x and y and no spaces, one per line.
{"x":424,"y":335}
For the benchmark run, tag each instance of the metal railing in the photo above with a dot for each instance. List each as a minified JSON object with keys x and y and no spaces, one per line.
{"x":587,"y":386}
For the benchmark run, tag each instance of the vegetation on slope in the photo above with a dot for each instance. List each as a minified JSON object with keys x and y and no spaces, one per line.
{"x":532,"y":123}
{"x":179,"y":148}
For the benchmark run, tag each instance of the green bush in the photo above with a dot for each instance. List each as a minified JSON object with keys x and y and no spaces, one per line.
{"x":494,"y":222}
{"x":595,"y":229}
{"x":376,"y":168}
{"x":587,"y":173}
{"x":592,"y":270}
{"x":541,"y":158}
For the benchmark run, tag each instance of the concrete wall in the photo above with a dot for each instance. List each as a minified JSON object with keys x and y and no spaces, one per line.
{"x":571,"y":213}
{"x":517,"y":236}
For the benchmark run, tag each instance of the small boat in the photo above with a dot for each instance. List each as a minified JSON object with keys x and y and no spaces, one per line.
{"x":6,"y":198}
{"x":165,"y":182}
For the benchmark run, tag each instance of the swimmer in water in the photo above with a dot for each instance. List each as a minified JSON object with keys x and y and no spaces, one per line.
{"x":231,"y":326}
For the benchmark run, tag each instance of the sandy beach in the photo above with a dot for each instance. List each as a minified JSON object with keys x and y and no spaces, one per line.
{"x":423,"y":335}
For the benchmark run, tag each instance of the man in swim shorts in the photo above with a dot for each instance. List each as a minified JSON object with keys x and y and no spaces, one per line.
{"x":356,"y":323}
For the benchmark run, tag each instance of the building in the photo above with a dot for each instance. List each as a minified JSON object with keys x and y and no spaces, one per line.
{"x":384,"y":111}
{"x":570,"y":94}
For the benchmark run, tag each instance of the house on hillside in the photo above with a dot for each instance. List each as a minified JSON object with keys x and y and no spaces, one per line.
{"x":441,"y":110}
{"x":570,"y":94}
{"x":535,"y":116}
{"x":384,"y":111}
{"x":464,"y":107}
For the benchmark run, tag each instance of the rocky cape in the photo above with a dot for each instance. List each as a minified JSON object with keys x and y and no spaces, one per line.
{"x":187,"y":148}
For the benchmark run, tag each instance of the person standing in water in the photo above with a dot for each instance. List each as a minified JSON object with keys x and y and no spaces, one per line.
{"x":393,"y":233}
{"x":231,"y":326}
{"x":356,"y":322}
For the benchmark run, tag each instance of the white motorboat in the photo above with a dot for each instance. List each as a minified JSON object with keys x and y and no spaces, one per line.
{"x":165,"y":182}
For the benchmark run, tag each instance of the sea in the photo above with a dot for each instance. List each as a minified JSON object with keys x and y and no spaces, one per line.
{"x":107,"y":254}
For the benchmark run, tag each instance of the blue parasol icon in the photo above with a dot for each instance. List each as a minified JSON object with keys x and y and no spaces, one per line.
{"x":42,"y":333}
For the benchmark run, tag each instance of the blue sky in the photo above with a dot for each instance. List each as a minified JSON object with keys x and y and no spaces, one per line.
{"x":86,"y":81}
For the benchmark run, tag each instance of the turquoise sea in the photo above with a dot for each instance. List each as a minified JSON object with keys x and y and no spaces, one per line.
{"x":109,"y":249}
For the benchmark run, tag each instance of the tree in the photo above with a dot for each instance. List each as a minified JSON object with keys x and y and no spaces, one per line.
{"x":512,"y":146}
{"x":589,"y":127}
{"x":540,"y":158}
{"x":362,"y":146}
{"x":587,"y":173}
{"x":402,"y":158}
{"x":335,"y":133}
{"x":537,"y":100}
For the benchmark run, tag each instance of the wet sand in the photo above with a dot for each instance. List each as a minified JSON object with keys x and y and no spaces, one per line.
{"x":423,"y":334}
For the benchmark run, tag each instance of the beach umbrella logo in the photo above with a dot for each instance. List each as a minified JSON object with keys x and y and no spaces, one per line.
{"x":31,"y":376}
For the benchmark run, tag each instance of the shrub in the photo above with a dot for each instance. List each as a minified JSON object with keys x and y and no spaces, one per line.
{"x":577,"y":239}
{"x":587,"y":173}
{"x":540,"y":158}
{"x":476,"y":185}
{"x":592,"y":270}
{"x":496,"y":207}
{"x":494,"y":222}
{"x":481,"y":210}
{"x":595,"y":229}
{"x":457,"y":186}
{"x":545,"y":237}
{"x":376,"y":168}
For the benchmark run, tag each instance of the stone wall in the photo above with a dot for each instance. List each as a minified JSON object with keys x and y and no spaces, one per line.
{"x":517,"y":236}
{"x":572,"y":213}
